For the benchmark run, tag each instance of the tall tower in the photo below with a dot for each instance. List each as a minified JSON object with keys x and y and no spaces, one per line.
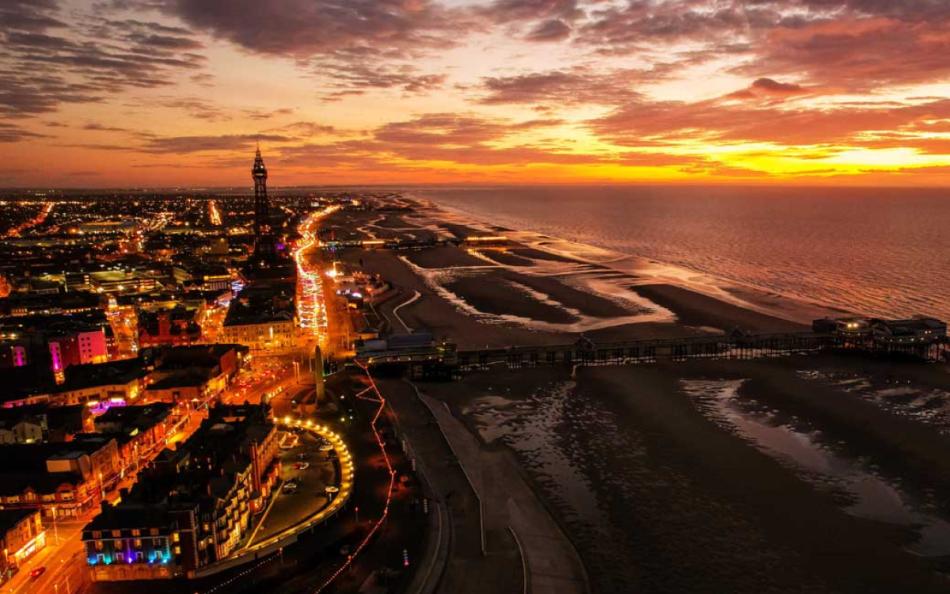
{"x":261,"y":206}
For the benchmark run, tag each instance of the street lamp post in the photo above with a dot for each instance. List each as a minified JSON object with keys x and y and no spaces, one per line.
{"x":55,"y":527}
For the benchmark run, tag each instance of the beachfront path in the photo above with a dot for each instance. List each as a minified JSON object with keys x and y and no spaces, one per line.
{"x":513,"y":519}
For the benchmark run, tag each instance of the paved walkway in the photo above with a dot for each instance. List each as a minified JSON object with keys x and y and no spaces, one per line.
{"x":514,"y":526}
{"x":468,"y":570}
{"x":509,"y":502}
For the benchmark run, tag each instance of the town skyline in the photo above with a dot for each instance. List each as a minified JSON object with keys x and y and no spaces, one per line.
{"x":177,"y":93}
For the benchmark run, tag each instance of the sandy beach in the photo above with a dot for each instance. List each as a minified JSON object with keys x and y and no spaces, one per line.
{"x":809,"y":474}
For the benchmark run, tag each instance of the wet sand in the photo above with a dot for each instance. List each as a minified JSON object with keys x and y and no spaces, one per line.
{"x":540,"y":255}
{"x":443,"y":257}
{"x":433,"y":313}
{"x":505,"y":257}
{"x":658,"y":498}
{"x":491,"y":293}
{"x":695,"y":309}
{"x":587,"y":303}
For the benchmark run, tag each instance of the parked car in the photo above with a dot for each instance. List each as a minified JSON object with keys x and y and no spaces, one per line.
{"x":36,"y":573}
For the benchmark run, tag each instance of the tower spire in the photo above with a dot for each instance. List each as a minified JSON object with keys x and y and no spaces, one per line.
{"x":261,"y":203}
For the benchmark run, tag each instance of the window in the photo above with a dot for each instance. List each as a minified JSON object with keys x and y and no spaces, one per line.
{"x":138,"y":543}
{"x":153,"y":531}
{"x":136,"y":532}
{"x":99,"y":548}
{"x":116,"y":533}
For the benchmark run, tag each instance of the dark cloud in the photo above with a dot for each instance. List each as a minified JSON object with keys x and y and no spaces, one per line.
{"x":195,"y":144}
{"x":551,"y":30}
{"x":308,"y":28}
{"x":506,"y":11}
{"x":356,"y":78}
{"x":305,"y":129}
{"x":353,"y":45}
{"x":580,"y":85}
{"x":714,"y":121}
{"x":856,"y":54}
{"x":13,"y":133}
{"x":768,"y":89}
{"x":257,"y":114}
{"x":46,"y":62}
{"x":97,"y":127}
{"x":851,"y":45}
{"x":197,"y":108}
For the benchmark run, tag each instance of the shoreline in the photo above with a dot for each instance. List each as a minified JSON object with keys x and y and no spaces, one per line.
{"x":651,"y":270}
{"x":532,"y":294}
{"x":648,"y":489}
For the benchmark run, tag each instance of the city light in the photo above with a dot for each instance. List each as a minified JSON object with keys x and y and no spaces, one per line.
{"x":378,"y":523}
{"x":311,"y":311}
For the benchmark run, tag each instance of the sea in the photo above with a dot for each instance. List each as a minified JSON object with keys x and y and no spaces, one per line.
{"x":876,"y":252}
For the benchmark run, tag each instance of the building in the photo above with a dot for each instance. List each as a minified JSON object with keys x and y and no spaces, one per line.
{"x":262,"y":317}
{"x":56,"y":340}
{"x":60,"y":479}
{"x":21,"y":536}
{"x":105,"y":384}
{"x":78,"y":347}
{"x":919,"y":331}
{"x":191,"y":388}
{"x":121,"y":281}
{"x":193,"y":506}
{"x":192,"y":376}
{"x":72,"y":302}
{"x":203,"y":276}
{"x":141,"y":432}
{"x":22,"y":426}
{"x":844,"y":327}
{"x":177,"y":325}
{"x":142,"y":541}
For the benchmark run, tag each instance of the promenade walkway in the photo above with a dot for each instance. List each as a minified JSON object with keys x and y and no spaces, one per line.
{"x":466,"y":570}
{"x":500,"y":508}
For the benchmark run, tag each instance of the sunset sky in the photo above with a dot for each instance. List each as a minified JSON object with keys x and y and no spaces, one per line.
{"x":176,"y":92}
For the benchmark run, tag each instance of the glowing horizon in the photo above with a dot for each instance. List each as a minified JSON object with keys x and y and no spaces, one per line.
{"x":166,"y":93}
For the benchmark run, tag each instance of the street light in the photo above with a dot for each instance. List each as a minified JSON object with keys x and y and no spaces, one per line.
{"x":55,"y":527}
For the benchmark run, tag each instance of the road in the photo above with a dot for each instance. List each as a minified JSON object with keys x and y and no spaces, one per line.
{"x":64,"y":563}
{"x":63,"y":555}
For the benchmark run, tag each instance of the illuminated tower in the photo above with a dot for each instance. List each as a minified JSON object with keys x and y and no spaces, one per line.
{"x":261,"y":216}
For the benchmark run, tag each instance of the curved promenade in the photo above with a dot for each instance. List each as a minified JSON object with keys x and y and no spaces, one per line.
{"x":267,"y":549}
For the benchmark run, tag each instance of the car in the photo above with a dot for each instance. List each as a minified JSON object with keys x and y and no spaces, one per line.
{"x":289,"y":487}
{"x":302,"y":456}
{"x":36,"y":573}
{"x":302,"y":465}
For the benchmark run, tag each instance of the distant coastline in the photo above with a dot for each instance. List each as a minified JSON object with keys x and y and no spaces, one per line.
{"x":785,"y":253}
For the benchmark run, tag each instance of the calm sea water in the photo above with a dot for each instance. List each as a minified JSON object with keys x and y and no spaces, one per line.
{"x":882,"y":252}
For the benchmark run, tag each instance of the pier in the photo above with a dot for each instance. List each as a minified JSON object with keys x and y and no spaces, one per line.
{"x":737,"y":345}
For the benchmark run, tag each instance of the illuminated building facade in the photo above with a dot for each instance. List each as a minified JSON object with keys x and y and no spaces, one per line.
{"x":21,"y":536}
{"x":192,"y":506}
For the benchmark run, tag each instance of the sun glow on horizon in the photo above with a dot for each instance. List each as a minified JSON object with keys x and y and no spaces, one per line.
{"x":175,"y":94}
